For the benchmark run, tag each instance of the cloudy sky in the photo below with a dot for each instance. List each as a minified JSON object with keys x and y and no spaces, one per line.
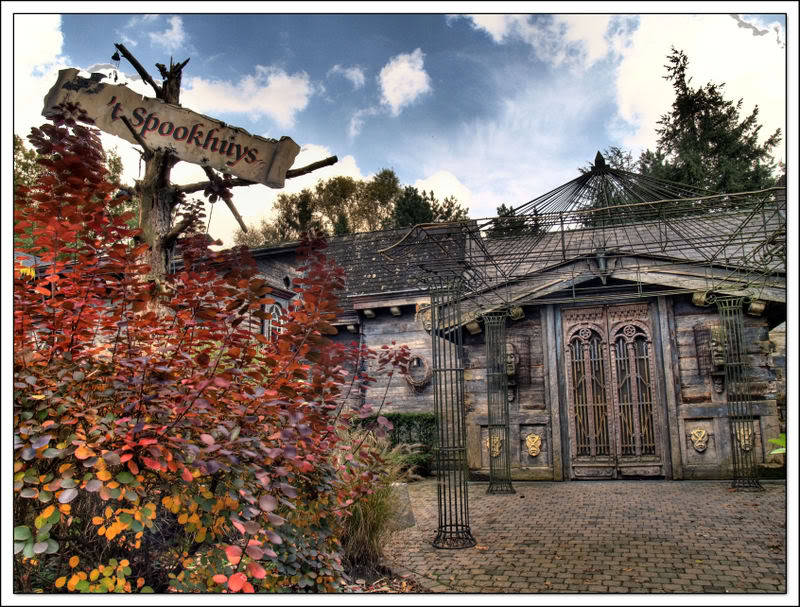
{"x":491,"y":108}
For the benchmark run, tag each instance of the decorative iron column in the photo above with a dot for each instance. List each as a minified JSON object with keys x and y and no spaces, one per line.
{"x":740,"y":399}
{"x":448,"y":402}
{"x":497,"y":403}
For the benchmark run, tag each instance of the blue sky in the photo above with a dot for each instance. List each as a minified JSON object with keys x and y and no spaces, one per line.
{"x":491,"y":108}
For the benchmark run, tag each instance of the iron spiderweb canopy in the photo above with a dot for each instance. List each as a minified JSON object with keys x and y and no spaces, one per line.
{"x":605,"y":226}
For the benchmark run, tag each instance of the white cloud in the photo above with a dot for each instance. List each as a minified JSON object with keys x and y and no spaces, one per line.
{"x":128,"y":41}
{"x":37,"y":60}
{"x":138,"y":19}
{"x":530,"y":146}
{"x":357,"y":120}
{"x":172,"y":38}
{"x":354,"y":74}
{"x":269,"y":91}
{"x":444,"y":184}
{"x":752,"y":68}
{"x":581,"y":39}
{"x":403,"y":80}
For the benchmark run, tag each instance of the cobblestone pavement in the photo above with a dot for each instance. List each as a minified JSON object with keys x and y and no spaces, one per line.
{"x":603,"y":537}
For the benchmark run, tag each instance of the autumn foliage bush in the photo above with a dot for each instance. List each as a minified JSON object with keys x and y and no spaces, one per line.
{"x":161,"y":443}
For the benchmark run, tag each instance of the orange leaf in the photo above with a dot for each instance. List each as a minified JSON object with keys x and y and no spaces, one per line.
{"x":220,"y":578}
{"x":48,"y":511}
{"x":125,"y":458}
{"x":133,"y":467}
{"x":236,"y":581}
{"x":140,"y":582}
{"x":73,"y":561}
{"x":256,"y":570}
{"x":61,"y":581}
{"x":97,"y":520}
{"x":186,"y":475}
{"x":104,"y":475}
{"x":83,"y":452}
{"x":234,"y":554}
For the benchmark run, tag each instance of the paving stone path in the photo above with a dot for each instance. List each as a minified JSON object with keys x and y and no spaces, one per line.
{"x":604,"y":537}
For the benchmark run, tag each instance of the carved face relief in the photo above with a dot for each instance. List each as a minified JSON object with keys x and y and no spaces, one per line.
{"x":719,"y":383}
{"x":534,"y":444}
{"x":511,"y":362}
{"x":745,"y":438}
{"x":496,"y":444}
{"x":699,"y":438}
{"x":717,"y":347}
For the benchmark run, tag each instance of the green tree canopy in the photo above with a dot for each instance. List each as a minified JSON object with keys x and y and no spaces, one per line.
{"x":343,"y":205}
{"x":705,"y":141}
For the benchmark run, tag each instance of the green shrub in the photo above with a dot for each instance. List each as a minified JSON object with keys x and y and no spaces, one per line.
{"x":366,"y":528}
{"x":413,"y":429}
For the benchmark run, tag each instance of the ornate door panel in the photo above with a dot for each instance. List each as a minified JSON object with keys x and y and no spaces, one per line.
{"x":614,"y":425}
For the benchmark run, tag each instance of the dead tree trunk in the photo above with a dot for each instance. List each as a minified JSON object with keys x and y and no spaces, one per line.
{"x":157,"y":197}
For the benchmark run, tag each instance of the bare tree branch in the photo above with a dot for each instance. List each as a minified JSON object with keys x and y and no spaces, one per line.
{"x":197,"y":186}
{"x":177,"y":230}
{"x":222,"y":185}
{"x":139,"y":68}
{"x":148,"y":153}
{"x":311,"y":167}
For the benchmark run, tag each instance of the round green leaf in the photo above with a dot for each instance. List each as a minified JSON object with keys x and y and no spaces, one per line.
{"x":52,"y":546}
{"x":27,"y":551}
{"x":125,"y":477}
{"x":22,"y":533}
{"x":18,"y":546}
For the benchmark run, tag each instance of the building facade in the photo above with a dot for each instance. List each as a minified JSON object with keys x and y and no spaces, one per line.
{"x":629,"y":386}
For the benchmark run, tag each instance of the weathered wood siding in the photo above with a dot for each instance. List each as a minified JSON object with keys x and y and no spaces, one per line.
{"x":701,"y":406}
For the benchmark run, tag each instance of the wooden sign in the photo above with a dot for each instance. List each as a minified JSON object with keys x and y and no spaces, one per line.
{"x":190,"y":136}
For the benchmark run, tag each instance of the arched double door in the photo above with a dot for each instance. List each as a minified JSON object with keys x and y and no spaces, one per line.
{"x":615,"y":425}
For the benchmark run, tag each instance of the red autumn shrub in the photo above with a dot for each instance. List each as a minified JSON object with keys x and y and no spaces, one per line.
{"x":160,"y":441}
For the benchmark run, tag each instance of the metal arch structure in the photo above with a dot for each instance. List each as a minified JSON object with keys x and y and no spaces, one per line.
{"x":606,"y":235}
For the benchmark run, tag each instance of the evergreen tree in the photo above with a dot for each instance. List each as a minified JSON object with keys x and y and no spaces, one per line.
{"x":411,"y":208}
{"x":508,"y":224}
{"x":704,"y":140}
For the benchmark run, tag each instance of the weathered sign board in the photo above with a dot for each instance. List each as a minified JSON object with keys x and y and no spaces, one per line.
{"x":190,"y":136}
